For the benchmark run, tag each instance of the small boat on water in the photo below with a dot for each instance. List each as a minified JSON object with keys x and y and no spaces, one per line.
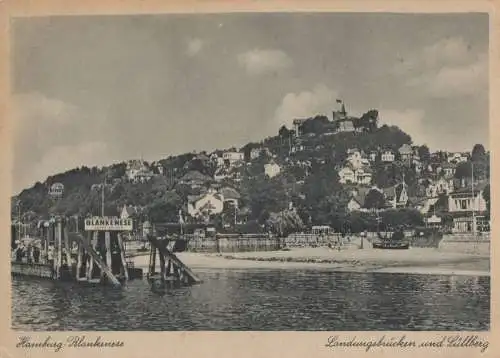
{"x":392,"y":240}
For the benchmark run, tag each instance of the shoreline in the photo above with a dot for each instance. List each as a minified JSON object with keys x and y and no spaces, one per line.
{"x":414,"y":261}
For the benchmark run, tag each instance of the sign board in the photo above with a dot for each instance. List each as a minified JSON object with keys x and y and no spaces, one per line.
{"x":108,"y":224}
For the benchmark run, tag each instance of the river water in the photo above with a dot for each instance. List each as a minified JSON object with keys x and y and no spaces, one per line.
{"x":260,"y":300}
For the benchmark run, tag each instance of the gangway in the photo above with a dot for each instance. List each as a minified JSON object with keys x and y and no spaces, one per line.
{"x":96,"y":258}
{"x":171,"y":267}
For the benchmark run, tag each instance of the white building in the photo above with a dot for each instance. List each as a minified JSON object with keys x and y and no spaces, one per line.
{"x":138,"y":172}
{"x":387,"y":156}
{"x":272,"y":169}
{"x":356,"y":159}
{"x":205,"y":205}
{"x":351,"y":175}
{"x":438,"y":187}
{"x":233,"y":158}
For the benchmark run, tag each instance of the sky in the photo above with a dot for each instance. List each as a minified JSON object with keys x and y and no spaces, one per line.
{"x":95,"y":90}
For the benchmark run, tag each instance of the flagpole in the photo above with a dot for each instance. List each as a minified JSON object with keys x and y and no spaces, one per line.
{"x":473,"y":202}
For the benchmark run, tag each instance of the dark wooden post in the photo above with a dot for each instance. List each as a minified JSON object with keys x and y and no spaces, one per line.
{"x":67,"y":246}
{"x":122,"y":256}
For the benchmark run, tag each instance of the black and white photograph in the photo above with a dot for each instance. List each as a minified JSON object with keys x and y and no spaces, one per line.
{"x":250,"y":171}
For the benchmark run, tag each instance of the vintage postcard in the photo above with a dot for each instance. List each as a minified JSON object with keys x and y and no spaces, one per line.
{"x":245,"y":180}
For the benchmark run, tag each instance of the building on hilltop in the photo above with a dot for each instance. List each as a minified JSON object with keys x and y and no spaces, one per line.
{"x":232,"y":158}
{"x":137,"y":171}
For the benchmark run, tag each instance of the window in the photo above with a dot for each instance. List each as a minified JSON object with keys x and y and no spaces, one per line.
{"x":463,"y":204}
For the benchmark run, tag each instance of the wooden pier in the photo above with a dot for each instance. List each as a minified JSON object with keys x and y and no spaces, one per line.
{"x":97,"y":257}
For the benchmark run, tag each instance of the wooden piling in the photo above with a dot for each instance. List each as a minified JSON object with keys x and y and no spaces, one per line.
{"x":107,"y":242}
{"x":67,"y":247}
{"x":79,"y":262}
{"x":92,"y":236}
{"x":122,"y":256}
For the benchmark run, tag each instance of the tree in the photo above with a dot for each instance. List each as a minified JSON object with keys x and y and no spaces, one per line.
{"x":284,"y":132}
{"x":374,"y":200}
{"x":478,"y":153}
{"x":166,"y":208}
{"x":424,"y":153}
{"x":285,"y":222}
{"x":486,"y":196}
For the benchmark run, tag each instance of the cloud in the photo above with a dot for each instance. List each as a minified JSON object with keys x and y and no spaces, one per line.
{"x":51,"y":136}
{"x":410,"y":121}
{"x":319,"y":100}
{"x":454,"y":81}
{"x":194,"y":46}
{"x":261,"y":61}
{"x":445,"y":69}
{"x":449,"y":51}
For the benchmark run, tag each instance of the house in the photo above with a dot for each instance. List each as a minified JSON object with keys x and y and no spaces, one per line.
{"x":221,"y":173}
{"x":438,"y":187}
{"x":405,"y":153}
{"x":456,"y":158}
{"x":56,"y":190}
{"x":256,"y":152}
{"x":357,"y":201}
{"x":347,"y":175}
{"x":217,"y":159}
{"x":396,"y":196}
{"x":468,"y":207}
{"x":272,"y":169}
{"x":356,"y":159}
{"x":345,"y":125}
{"x":195,"y":179}
{"x":157,"y":168}
{"x":373,"y":156}
{"x":128,"y":211}
{"x":205,"y":205}
{"x":351,"y":175}
{"x":230,"y":195}
{"x":137,"y":171}
{"x":417,"y":165}
{"x":297,"y":126}
{"x":232,"y":157}
{"x":364,"y":175}
{"x":448,"y":170}
{"x":387,"y":156}
{"x":466,"y":200}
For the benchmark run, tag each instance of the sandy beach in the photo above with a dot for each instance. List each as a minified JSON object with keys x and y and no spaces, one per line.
{"x":414,"y":260}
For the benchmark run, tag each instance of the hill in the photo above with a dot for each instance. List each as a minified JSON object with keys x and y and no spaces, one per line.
{"x":302,"y":176}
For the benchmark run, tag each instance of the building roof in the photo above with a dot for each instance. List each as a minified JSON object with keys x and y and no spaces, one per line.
{"x":195,"y":175}
{"x":393,"y":191}
{"x":130,"y":210}
{"x":229,"y":193}
{"x":468,"y":190}
{"x":360,"y":195}
{"x":405,"y":149}
{"x":195,"y":198}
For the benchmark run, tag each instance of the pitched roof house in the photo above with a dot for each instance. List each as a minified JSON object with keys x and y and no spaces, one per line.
{"x":195,"y":179}
{"x":396,"y":196}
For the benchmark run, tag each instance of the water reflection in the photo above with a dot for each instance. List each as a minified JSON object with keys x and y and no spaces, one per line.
{"x":261,"y":300}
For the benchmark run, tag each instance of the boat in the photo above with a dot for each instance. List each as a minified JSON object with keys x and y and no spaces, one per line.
{"x":391,"y":240}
